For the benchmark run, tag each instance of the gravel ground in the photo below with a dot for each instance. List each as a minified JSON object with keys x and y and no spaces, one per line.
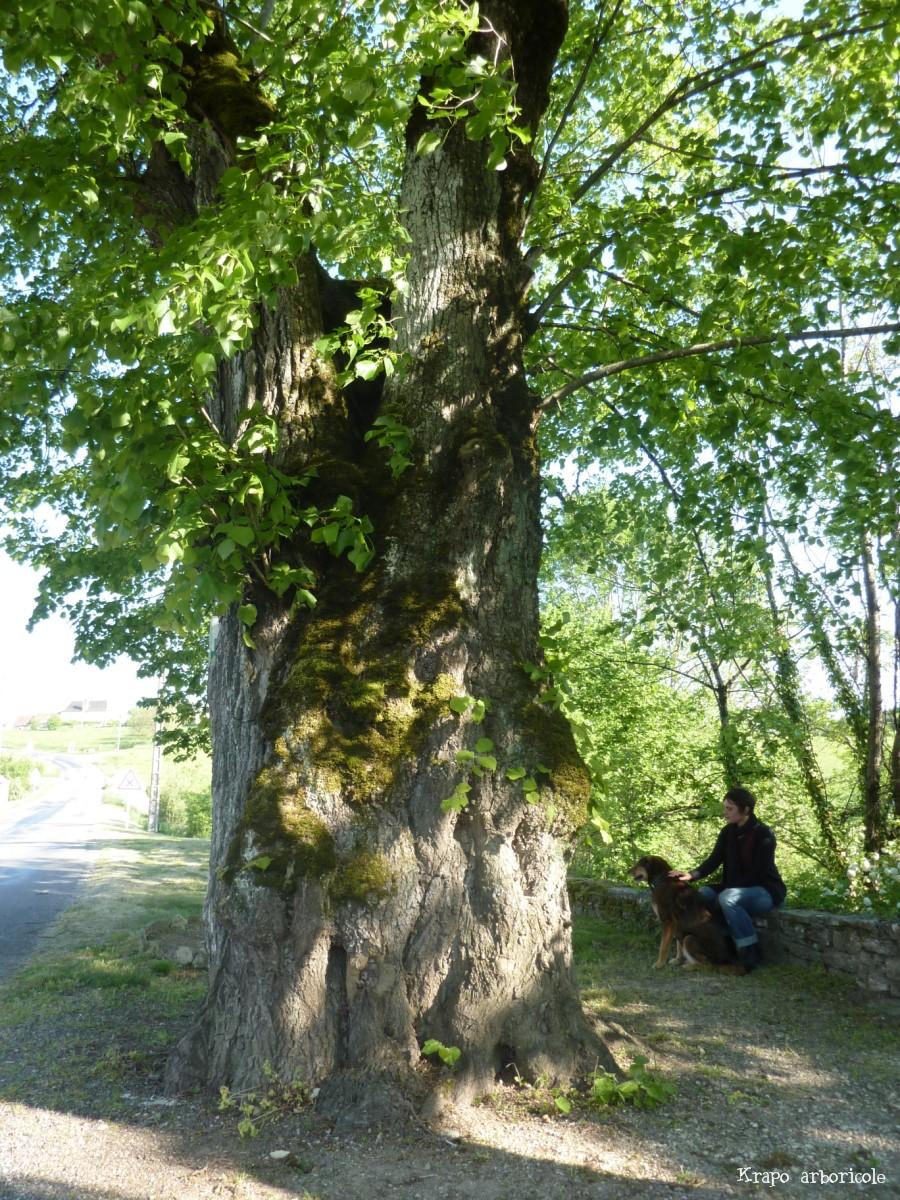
{"x":786,"y":1084}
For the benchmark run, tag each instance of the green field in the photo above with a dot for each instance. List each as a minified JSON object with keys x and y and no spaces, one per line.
{"x":72,"y":739}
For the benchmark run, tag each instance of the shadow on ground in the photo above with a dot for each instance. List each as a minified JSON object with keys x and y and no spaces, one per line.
{"x":785,"y":1071}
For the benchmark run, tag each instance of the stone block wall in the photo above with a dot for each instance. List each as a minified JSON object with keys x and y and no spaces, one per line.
{"x":866,"y":949}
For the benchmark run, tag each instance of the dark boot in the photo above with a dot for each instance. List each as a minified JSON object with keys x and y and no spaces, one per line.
{"x":749,"y":956}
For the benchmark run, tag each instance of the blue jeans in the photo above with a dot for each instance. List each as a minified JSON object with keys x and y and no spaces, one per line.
{"x":738,"y":906}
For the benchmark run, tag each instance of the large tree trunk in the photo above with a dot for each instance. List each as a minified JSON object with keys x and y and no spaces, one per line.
{"x":349,"y":917}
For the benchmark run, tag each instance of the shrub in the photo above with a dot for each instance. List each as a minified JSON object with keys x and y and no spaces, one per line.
{"x":185,"y":800}
{"x":198,"y":811}
{"x":19,"y":772}
{"x":872,"y":885}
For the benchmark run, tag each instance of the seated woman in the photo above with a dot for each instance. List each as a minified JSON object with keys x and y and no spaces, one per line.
{"x":751,"y":885}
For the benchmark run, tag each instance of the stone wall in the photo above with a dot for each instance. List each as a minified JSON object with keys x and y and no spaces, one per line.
{"x":866,"y":949}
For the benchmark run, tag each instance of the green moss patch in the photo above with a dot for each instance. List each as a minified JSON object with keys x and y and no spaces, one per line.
{"x":353,"y":709}
{"x":362,"y":712}
{"x":549,"y":738}
{"x":223,"y":90}
{"x":365,"y":876}
{"x":289,"y":840}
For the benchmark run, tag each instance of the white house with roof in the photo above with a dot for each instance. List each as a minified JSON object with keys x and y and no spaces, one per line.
{"x":86,"y":712}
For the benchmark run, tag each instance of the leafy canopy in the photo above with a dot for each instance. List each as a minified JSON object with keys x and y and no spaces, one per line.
{"x":716,"y":186}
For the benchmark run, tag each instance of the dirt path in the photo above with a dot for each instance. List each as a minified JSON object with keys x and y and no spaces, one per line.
{"x":784,"y":1072}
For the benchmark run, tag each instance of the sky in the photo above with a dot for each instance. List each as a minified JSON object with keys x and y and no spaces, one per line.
{"x":37,"y":674}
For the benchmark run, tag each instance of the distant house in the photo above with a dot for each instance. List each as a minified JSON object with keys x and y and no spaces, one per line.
{"x":81,"y":712}
{"x":31,"y":721}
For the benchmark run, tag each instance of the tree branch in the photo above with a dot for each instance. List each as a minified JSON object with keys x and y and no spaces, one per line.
{"x":560,"y":286}
{"x":239,"y":20}
{"x":704,"y":81}
{"x":656,"y":666}
{"x":737,"y":343}
{"x":599,"y":39}
{"x":777,"y":170}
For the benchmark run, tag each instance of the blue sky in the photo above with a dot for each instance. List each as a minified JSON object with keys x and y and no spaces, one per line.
{"x":36,"y":669}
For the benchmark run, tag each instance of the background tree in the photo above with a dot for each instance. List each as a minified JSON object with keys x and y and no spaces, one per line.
{"x":347,"y":472}
{"x":142,"y":721}
{"x":634,"y":653}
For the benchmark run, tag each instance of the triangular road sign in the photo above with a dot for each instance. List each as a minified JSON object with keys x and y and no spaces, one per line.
{"x":129,"y":783}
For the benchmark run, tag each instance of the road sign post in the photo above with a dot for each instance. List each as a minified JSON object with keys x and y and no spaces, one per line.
{"x":130,"y":788}
{"x":153,"y":811}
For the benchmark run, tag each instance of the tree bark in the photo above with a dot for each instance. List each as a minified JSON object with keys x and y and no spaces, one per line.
{"x":350,"y":918}
{"x":727,"y":741}
{"x":787,"y":688}
{"x":871,"y":774}
{"x":894,"y":759}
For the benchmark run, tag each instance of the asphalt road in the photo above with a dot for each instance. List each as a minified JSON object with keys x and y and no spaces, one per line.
{"x":48,"y":847}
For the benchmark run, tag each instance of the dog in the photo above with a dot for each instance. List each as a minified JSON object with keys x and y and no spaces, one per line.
{"x":683,"y":915}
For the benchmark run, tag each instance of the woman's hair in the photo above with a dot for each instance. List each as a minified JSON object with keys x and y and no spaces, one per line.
{"x":742,"y":797}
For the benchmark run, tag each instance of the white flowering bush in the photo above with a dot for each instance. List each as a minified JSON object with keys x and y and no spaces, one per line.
{"x":872,"y":885}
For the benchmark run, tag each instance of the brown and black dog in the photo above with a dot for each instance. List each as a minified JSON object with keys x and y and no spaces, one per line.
{"x":683,"y":915}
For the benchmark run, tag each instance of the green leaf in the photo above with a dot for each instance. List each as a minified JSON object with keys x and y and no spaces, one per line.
{"x":123,"y":322}
{"x":204,"y":363}
{"x":247,"y":614}
{"x":428,"y":143}
{"x":367,"y":368}
{"x":461,"y":704}
{"x":176,"y":464}
{"x":261,"y":863}
{"x":458,"y":800}
{"x":448,"y":1054}
{"x":484,"y":745}
{"x":243,"y":535}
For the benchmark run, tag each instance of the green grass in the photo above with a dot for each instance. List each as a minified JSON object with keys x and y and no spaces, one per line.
{"x":72,"y":739}
{"x":92,"y":1012}
{"x":695,"y":1017}
{"x":140,"y":879}
{"x":92,"y":1015}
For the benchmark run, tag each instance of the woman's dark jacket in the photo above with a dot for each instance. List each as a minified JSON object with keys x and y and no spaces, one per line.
{"x":747,"y":854}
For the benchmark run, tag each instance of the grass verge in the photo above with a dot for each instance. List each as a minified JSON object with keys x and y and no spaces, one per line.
{"x":91,"y":1010}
